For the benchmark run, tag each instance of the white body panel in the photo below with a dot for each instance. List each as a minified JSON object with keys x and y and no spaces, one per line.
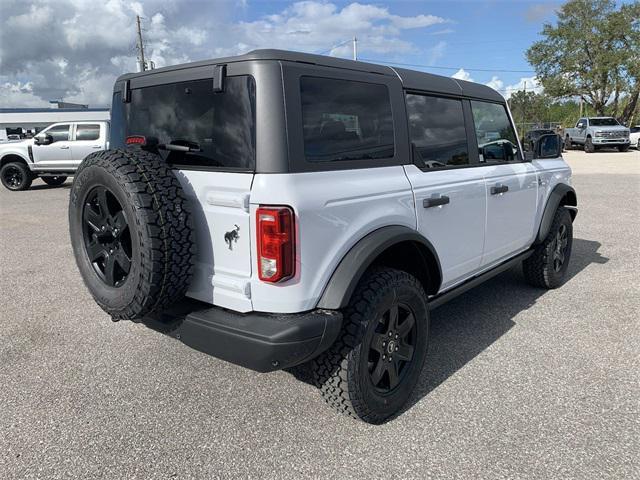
{"x":54,"y":155}
{"x":334,"y":210}
{"x":511,"y":215}
{"x":82,"y":148}
{"x":456,"y":230}
{"x":220,"y":203}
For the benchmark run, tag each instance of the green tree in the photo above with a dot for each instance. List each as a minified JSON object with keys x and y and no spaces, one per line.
{"x":592,"y":52}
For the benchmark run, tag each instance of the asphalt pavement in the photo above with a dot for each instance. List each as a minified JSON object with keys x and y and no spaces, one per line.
{"x":519,"y":382}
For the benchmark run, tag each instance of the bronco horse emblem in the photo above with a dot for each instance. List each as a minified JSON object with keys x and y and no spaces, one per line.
{"x":232,"y":237}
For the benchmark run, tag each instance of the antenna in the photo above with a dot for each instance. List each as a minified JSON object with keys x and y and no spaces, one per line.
{"x":142,"y":66}
{"x":355,"y":48}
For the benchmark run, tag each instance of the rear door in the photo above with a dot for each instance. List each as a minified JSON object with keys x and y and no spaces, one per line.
{"x":56,"y":155}
{"x":87,"y":138}
{"x":449,"y":189}
{"x":511,"y":184}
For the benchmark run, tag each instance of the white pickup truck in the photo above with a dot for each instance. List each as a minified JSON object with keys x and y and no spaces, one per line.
{"x":53,"y":154}
{"x":595,"y":132}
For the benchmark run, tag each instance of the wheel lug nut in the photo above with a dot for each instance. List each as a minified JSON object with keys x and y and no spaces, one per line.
{"x":396,"y":335}
{"x":396,"y":349}
{"x":384,"y":344}
{"x":390,"y":334}
{"x":390,"y":358}
{"x":384,"y":357}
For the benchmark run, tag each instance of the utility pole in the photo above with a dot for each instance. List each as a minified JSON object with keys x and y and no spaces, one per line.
{"x":355,"y":48}
{"x":524,"y":106}
{"x":142,"y":66}
{"x":580,"y":106}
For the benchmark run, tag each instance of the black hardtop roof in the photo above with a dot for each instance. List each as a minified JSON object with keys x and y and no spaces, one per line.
{"x":411,"y":79}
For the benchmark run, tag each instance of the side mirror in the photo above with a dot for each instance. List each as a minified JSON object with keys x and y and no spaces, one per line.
{"x":548,"y":146}
{"x":580,"y":125}
{"x":46,"y":140}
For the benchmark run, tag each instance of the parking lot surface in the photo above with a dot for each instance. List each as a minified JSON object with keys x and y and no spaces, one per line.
{"x":519,"y":382}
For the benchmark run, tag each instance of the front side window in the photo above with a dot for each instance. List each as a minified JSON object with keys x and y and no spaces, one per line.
{"x":497,"y":140}
{"x":87,"y":132}
{"x":345,"y":120}
{"x":59,"y":133}
{"x":219,"y":128}
{"x":437,"y":131}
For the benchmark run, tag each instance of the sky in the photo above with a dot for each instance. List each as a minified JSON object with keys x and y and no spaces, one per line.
{"x":74,"y":49}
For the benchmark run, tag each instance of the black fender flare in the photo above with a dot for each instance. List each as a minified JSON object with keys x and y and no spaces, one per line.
{"x":353,"y":265}
{"x":556,"y":196}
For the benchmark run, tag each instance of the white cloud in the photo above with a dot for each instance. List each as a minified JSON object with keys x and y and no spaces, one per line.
{"x":530,"y":84}
{"x":462,"y":74}
{"x":74,"y":49}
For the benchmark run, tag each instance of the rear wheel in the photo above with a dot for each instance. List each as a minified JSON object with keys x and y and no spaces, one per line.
{"x":16,"y":176}
{"x":54,"y":181}
{"x":588,"y":146}
{"x":371,"y":370}
{"x":131,"y":233}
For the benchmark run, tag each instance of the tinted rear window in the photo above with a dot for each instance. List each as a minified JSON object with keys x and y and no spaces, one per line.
{"x":221,"y":125}
{"x":437,"y":131}
{"x":87,"y":132}
{"x":345,"y":120}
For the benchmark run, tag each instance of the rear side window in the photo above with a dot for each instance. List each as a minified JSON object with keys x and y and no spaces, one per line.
{"x":437,"y":132}
{"x":345,"y":120}
{"x":220,"y":128}
{"x":87,"y":132}
{"x":497,"y":140}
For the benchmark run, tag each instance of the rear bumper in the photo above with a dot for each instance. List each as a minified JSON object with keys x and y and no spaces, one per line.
{"x":259,"y":341}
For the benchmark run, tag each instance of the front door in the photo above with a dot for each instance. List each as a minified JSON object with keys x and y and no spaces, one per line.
{"x":57,"y":154}
{"x":511,"y":184}
{"x":449,"y":189}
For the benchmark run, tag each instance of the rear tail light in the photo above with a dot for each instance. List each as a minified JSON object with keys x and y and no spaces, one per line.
{"x":276,"y":243}
{"x":136,"y":140}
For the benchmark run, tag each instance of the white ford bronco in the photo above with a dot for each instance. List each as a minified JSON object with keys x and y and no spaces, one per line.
{"x":53,"y":154}
{"x":279,"y":209}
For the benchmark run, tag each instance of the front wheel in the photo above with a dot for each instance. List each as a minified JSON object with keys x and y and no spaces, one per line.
{"x":588,"y":146}
{"x":547,"y":266}
{"x":567,"y":143}
{"x":372,"y":368}
{"x":623,"y":148}
{"x":54,"y":181}
{"x":16,"y":176}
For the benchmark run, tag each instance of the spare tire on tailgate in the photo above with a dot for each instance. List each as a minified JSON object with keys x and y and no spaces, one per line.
{"x":131,"y":232}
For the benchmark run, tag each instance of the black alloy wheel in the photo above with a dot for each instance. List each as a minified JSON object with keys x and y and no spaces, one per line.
{"x":107,"y":238}
{"x":391,"y":348}
{"x":560,"y":244}
{"x":12,"y":177}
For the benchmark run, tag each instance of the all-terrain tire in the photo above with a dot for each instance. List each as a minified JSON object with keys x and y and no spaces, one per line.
{"x":623,"y":148}
{"x":589,"y":147}
{"x":541,"y":268}
{"x":54,"y":181}
{"x":16,"y":176}
{"x":159,"y":224}
{"x":342,"y":373}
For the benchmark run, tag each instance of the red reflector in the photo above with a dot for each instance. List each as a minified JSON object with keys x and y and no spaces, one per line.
{"x":276,"y":243}
{"x":135,"y":140}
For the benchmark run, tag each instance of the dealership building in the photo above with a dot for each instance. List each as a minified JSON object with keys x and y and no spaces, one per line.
{"x":22,"y":121}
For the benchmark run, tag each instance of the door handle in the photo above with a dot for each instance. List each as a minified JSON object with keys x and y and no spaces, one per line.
{"x":498,"y":189}
{"x":96,"y":146}
{"x":435,"y":201}
{"x":64,"y":147}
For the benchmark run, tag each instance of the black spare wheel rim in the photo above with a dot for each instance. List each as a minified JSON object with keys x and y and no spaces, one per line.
{"x":560,"y":245}
{"x":13,"y":177}
{"x":391,"y":348}
{"x":107,"y":237}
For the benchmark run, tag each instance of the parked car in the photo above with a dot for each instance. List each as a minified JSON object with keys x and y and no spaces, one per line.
{"x":595,"y":132}
{"x":532,"y":136}
{"x":281,"y":209}
{"x":53,"y":154}
{"x":634,"y":136}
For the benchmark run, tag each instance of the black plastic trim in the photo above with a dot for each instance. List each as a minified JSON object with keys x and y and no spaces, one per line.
{"x":263,"y":342}
{"x":553,"y":202}
{"x":345,"y":278}
{"x":438,"y":300}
